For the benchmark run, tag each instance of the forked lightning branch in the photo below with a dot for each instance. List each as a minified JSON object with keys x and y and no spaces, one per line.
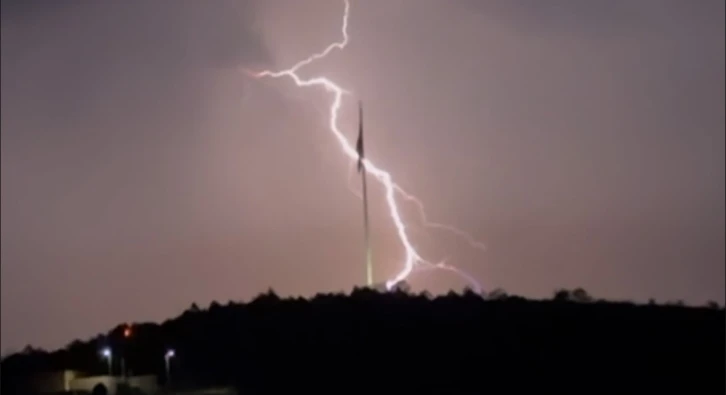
{"x":412,"y":260}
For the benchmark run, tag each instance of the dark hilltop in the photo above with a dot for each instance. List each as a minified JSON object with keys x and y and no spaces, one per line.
{"x":397,"y":342}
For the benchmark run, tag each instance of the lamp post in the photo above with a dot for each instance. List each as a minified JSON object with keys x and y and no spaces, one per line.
{"x":167,"y":359}
{"x":127,"y":335}
{"x":106,"y":353}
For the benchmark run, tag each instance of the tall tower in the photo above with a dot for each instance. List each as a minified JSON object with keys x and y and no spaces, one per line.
{"x":362,"y":170}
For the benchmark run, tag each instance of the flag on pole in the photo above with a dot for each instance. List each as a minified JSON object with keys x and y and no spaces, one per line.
{"x":359,"y":143}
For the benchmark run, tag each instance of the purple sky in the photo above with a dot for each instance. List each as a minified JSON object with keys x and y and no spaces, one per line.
{"x":581,"y":140}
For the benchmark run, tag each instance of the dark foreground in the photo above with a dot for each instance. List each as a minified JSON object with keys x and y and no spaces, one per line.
{"x":395,"y":343}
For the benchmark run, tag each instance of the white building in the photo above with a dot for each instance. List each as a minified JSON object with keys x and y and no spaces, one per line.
{"x":70,"y":380}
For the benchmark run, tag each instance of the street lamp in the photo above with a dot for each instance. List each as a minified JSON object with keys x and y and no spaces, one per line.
{"x":106,"y":353}
{"x":167,"y":358}
{"x":127,"y":335}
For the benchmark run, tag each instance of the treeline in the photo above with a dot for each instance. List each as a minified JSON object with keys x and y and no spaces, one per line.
{"x":386,"y":341}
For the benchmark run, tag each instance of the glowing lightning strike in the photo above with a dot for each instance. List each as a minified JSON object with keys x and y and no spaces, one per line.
{"x":422,"y":213}
{"x":412,"y":257}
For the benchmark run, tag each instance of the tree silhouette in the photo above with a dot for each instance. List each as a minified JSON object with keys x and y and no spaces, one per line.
{"x":279,"y":345}
{"x":580,"y":295}
{"x":497,"y":294}
{"x":403,"y":287}
{"x":562,"y":295}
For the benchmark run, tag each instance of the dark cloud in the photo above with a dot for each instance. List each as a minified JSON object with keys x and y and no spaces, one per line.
{"x":597,"y":18}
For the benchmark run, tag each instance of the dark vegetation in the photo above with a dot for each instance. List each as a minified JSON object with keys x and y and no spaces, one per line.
{"x":386,"y":342}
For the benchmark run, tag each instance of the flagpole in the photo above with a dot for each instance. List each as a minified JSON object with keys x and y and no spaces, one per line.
{"x":366,"y":226}
{"x":369,"y":255}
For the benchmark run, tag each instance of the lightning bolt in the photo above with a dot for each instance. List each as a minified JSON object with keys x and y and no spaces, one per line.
{"x":412,"y":259}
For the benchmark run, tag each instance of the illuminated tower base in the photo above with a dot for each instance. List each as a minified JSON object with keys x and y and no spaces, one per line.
{"x":366,"y":227}
{"x":369,"y":267}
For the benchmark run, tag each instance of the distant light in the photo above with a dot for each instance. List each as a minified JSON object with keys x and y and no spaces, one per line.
{"x":106,"y":352}
{"x":127,"y":331}
{"x":170,"y":354}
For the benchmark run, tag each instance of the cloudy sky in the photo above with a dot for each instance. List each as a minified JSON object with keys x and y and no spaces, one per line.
{"x":581,"y":140}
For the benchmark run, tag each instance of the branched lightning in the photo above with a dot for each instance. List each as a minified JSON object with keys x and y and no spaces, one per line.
{"x":412,"y":259}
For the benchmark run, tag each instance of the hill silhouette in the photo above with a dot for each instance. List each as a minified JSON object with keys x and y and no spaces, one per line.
{"x":398,"y":342}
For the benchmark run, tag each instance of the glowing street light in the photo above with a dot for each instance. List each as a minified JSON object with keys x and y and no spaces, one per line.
{"x":106,"y":353}
{"x":167,"y":358}
{"x":127,"y":333}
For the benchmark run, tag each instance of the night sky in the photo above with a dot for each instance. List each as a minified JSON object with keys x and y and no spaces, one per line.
{"x":581,"y":140}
